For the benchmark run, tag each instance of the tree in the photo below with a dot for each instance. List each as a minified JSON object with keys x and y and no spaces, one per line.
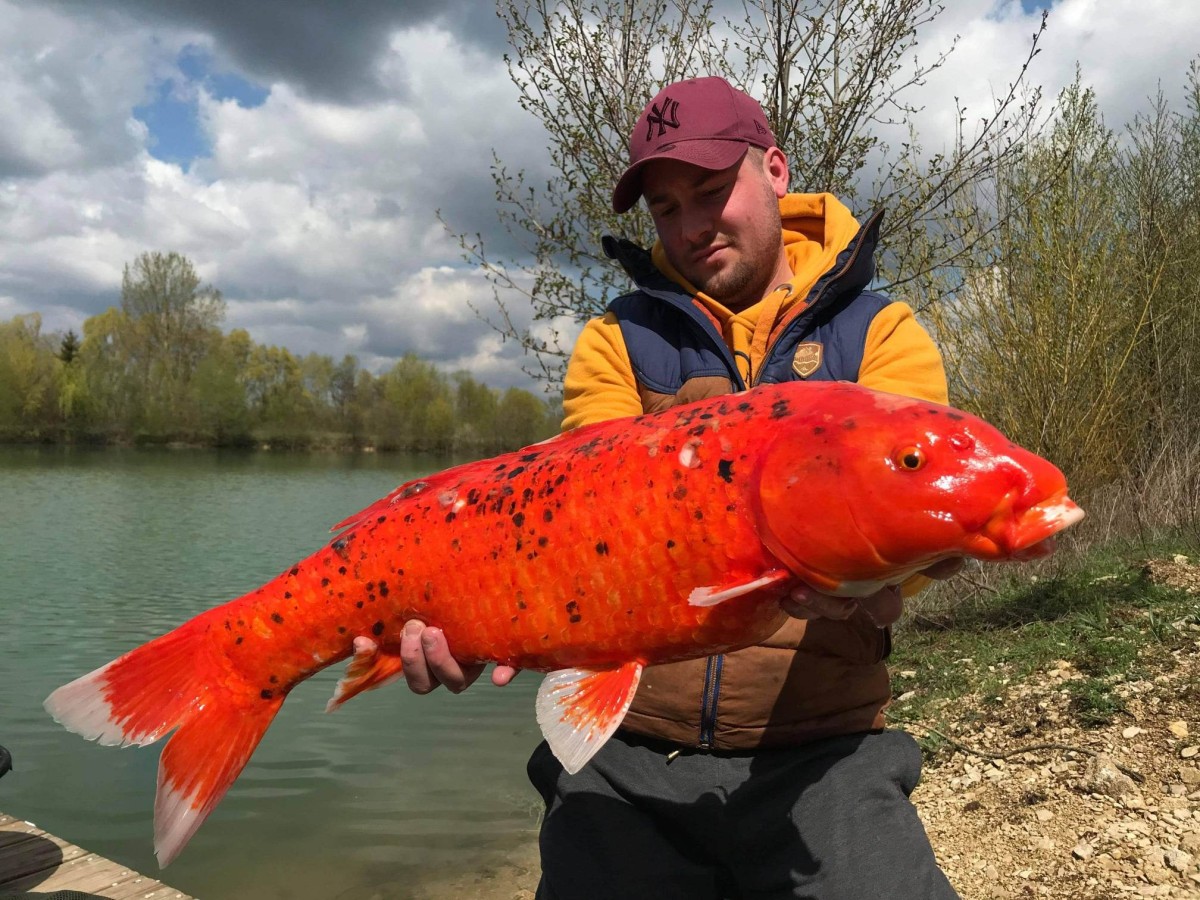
{"x":172,"y":322}
{"x":69,"y":348}
{"x":834,"y":78}
{"x":28,"y":383}
{"x":1045,"y":342}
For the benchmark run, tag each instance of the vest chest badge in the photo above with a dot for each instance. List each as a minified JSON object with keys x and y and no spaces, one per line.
{"x":808,"y":358}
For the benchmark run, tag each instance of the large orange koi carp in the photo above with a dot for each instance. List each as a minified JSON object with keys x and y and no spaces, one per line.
{"x":612,"y":547}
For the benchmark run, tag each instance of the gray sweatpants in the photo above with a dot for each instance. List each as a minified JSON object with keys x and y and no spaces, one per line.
{"x":829,"y":820}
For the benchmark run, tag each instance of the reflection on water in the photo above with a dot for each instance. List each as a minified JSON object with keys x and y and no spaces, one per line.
{"x":102,"y":550}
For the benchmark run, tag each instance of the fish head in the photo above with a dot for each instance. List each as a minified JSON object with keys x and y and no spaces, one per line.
{"x":884,"y":486}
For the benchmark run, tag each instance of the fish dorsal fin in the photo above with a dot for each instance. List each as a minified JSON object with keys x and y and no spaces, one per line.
{"x":371,"y":666}
{"x":579,"y":709}
{"x":711,"y":596}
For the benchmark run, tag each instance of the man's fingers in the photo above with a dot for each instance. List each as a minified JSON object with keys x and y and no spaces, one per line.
{"x":883,"y":607}
{"x":502,"y":675}
{"x":444,"y":667}
{"x":946,"y":568}
{"x":412,"y":655}
{"x":805,"y":603}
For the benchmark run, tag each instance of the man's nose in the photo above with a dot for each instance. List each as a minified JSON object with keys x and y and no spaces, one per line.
{"x":697,"y":226}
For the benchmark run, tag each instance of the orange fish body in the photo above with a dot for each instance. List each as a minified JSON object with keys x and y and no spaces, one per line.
{"x":623,"y":544}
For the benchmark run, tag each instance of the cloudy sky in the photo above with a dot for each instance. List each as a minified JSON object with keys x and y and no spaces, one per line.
{"x":297,"y":151}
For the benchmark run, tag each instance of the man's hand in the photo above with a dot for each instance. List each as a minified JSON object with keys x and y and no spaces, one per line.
{"x":883,"y":607}
{"x":428,"y":663}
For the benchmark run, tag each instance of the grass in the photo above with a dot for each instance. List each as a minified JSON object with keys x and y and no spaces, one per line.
{"x":1094,"y":609}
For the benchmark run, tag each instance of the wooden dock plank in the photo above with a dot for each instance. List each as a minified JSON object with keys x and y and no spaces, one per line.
{"x":31,"y":858}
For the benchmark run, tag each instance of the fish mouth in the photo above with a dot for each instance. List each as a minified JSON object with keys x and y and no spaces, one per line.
{"x":1027,"y":534}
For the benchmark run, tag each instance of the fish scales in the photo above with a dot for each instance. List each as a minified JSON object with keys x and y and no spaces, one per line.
{"x":529,"y":568}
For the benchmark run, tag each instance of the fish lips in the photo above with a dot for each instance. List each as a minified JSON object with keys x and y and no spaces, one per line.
{"x":1024,"y":534}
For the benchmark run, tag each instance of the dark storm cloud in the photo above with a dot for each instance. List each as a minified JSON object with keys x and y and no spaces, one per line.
{"x":326,"y":49}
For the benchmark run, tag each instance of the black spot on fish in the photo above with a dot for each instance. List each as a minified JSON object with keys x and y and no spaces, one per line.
{"x":670,"y":544}
{"x":680,"y":492}
{"x":381,"y":520}
{"x":530,"y":457}
{"x":849,"y":424}
{"x":267,"y":694}
{"x":779,"y":409}
{"x":548,"y":515}
{"x":294,"y":571}
{"x":520,"y":604}
{"x":341,"y":570}
{"x":359,"y":604}
{"x":377,"y":629}
{"x":517,"y":471}
{"x":543,"y":541}
{"x":744,"y":407}
{"x":725,"y":469}
{"x":473,"y":496}
{"x":501,"y":467}
{"x":602,"y":548}
{"x":575,"y":618}
{"x":527,"y":495}
{"x":341,"y":629}
{"x":560,"y":479}
{"x":818,"y":429}
{"x":239,"y":640}
{"x":339,"y":547}
{"x":287,"y":595}
{"x":519,"y":519}
{"x":451,"y":516}
{"x":228,"y":627}
{"x":698,"y":514}
{"x":276,"y":618}
{"x":697,"y":430}
{"x":324,"y":582}
{"x":274,"y":679}
{"x":383,"y":589}
{"x":954,"y":417}
{"x":513,"y":619}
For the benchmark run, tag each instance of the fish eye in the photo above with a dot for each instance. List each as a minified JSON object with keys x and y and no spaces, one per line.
{"x":909,"y":458}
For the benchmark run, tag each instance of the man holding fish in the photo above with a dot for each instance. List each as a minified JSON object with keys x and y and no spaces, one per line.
{"x":767,"y":771}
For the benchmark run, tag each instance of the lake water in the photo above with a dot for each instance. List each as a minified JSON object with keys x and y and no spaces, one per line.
{"x":101,"y":550}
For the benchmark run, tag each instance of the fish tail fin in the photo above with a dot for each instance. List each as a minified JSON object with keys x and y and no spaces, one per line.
{"x":164,"y":685}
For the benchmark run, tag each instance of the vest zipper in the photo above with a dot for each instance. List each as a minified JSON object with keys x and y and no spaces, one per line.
{"x":708,"y":703}
{"x":877,"y":215}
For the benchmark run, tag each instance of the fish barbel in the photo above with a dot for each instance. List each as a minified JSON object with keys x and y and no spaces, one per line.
{"x":615,"y":546}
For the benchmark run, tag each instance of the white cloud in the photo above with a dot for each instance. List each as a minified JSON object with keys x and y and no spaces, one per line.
{"x":316,"y":218}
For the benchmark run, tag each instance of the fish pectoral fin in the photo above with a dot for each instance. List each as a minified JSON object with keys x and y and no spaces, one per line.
{"x":579,"y":709}
{"x":711,"y":596}
{"x":371,"y":666}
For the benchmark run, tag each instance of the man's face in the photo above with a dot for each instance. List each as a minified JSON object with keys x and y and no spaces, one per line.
{"x":721,"y":229}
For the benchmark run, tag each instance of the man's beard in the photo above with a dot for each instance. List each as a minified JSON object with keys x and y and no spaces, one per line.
{"x":730,"y":286}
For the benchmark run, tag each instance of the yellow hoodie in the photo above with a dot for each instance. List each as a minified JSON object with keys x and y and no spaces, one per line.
{"x":898,"y":355}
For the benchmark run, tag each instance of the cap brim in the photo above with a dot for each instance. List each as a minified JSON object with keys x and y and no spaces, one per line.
{"x":708,"y":153}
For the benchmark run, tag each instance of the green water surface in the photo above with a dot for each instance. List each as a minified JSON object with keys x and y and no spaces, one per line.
{"x":101,"y":550}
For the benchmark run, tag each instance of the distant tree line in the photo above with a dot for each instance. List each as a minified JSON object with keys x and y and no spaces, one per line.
{"x":159,"y":369}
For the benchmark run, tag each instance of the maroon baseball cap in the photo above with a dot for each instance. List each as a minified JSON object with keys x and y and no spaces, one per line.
{"x":703,"y":121}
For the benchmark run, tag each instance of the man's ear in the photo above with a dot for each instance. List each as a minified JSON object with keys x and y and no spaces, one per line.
{"x":775,"y":167}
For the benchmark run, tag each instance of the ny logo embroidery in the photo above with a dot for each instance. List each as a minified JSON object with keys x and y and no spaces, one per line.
{"x":663,"y":118}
